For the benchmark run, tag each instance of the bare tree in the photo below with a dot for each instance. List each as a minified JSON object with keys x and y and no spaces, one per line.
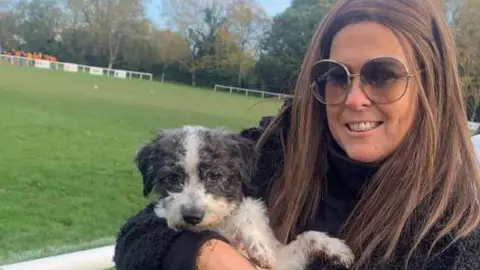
{"x":171,"y":48}
{"x":7,"y":22}
{"x":108,"y":22}
{"x":247,"y":25}
{"x":199,"y":22}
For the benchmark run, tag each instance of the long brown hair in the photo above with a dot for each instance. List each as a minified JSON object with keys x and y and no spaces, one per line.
{"x":434,"y":171}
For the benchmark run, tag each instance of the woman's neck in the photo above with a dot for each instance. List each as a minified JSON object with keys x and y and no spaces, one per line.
{"x":345,"y":177}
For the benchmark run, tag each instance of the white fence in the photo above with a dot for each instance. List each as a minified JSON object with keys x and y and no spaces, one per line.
{"x":257,"y":93}
{"x":72,"y":67}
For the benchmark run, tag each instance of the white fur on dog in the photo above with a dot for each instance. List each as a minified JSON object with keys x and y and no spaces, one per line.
{"x":192,"y":157}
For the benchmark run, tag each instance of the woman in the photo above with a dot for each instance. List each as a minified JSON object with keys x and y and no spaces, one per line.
{"x":375,"y":151}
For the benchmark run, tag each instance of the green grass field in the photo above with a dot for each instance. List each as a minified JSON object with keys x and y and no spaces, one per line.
{"x":67,"y":178}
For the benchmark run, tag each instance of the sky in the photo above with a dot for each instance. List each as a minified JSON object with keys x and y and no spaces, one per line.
{"x":272,"y":7}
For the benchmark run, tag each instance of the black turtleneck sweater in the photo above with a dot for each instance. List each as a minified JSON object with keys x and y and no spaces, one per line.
{"x":345,"y":179}
{"x":146,"y":243}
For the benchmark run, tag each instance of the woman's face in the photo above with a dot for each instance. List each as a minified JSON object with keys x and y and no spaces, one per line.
{"x":366,"y":131}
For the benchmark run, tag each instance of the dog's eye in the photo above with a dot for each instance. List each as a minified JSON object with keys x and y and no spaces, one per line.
{"x":174,"y":178}
{"x":214,"y":175}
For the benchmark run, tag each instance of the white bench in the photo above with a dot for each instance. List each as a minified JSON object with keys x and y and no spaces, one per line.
{"x":92,"y":259}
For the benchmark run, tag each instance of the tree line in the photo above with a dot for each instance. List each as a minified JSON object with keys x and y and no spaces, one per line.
{"x":202,"y":42}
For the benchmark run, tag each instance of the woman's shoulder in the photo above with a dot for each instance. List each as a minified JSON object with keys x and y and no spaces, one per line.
{"x":461,"y":254}
{"x":448,"y":253}
{"x":272,"y":129}
{"x":270,"y":158}
{"x":276,"y":124}
{"x":467,"y":255}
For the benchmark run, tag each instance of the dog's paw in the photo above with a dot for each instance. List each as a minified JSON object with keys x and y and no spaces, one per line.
{"x":261,"y":255}
{"x":318,"y":244}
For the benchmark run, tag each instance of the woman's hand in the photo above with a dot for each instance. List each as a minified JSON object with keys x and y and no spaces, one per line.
{"x":218,"y":255}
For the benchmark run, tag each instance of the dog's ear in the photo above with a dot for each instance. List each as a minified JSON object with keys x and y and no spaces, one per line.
{"x":147,"y":159}
{"x":246,"y":151}
{"x":144,"y":162}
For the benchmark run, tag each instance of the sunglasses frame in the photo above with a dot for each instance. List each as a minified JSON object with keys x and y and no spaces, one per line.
{"x":315,"y":86}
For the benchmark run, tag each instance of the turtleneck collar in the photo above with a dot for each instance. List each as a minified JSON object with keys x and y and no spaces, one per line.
{"x":345,"y":177}
{"x":343,"y":187}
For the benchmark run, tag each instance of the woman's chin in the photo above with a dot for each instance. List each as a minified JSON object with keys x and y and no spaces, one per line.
{"x":364,"y":154}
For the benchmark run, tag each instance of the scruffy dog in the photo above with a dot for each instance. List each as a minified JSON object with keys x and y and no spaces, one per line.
{"x":199,"y":174}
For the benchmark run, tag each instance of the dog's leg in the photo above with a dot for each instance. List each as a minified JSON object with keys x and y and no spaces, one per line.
{"x":251,"y":221}
{"x":310,"y":245}
{"x":160,"y":209}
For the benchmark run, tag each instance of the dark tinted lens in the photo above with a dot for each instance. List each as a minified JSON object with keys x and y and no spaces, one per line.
{"x":385,"y":79}
{"x":331,"y":81}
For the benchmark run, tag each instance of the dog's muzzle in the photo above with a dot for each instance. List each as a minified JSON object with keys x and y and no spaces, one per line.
{"x":192,"y":215}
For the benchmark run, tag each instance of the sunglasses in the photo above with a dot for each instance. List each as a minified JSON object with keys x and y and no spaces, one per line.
{"x":383,"y":80}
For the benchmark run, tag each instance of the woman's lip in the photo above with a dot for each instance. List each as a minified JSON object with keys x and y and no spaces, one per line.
{"x":363,"y":121}
{"x":365,"y":132}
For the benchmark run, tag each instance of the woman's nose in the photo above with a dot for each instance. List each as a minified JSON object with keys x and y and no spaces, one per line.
{"x":356,"y":97}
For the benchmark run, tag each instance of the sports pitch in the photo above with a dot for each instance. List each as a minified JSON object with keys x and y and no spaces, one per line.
{"x":66,"y":147}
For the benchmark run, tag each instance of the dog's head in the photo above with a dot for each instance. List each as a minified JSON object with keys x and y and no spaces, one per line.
{"x":197,"y":173}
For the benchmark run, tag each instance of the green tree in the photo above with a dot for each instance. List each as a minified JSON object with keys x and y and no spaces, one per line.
{"x":285,"y":45}
{"x":7,"y":28}
{"x":39,"y":23}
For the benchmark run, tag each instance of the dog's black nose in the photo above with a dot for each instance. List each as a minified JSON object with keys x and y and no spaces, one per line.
{"x":192,"y":215}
